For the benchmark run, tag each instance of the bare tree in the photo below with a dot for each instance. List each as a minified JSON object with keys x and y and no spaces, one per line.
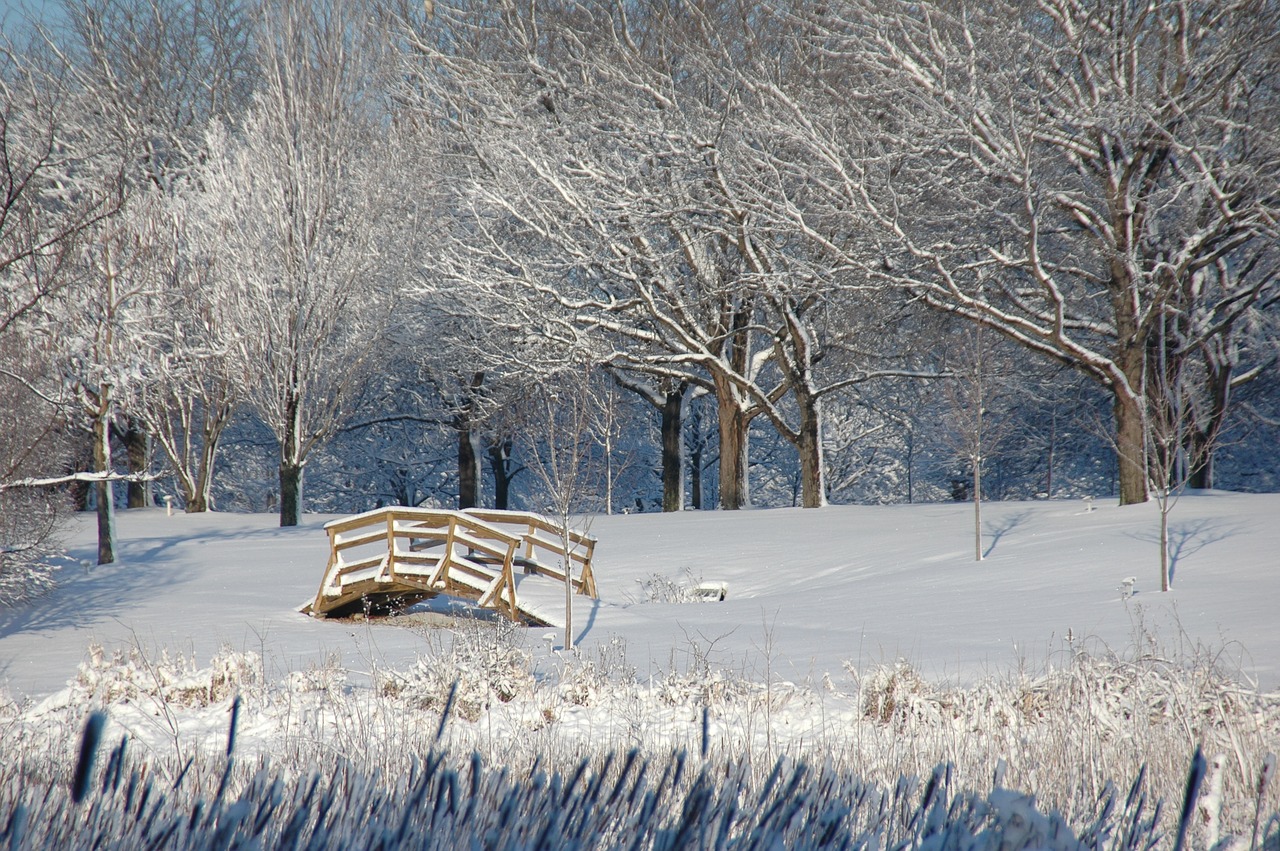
{"x":1089,"y":158}
{"x":33,"y":440}
{"x":100,"y":323}
{"x":53,"y":191}
{"x":103,"y":362}
{"x":564,"y":464}
{"x":296,"y":201}
{"x":190,"y":391}
{"x":1223,"y":322}
{"x":976,"y":402}
{"x":43,"y":214}
{"x":149,"y":75}
{"x":1172,"y":455}
{"x":614,"y":180}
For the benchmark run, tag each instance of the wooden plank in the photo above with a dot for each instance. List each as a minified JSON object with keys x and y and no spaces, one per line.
{"x":347,"y":568}
{"x":476,"y":521}
{"x":469,"y":567}
{"x":346,"y":542}
{"x":497,"y":549}
{"x":556,"y":546}
{"x":413,"y":565}
{"x":355,"y":521}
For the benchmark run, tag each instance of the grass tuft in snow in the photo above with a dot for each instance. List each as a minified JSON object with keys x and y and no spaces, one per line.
{"x":449,"y":799}
{"x":1073,"y":733}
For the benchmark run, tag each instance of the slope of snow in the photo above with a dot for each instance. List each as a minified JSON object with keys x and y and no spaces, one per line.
{"x":809,"y":590}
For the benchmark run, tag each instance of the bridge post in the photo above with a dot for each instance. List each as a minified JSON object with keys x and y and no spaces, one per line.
{"x":391,"y":544}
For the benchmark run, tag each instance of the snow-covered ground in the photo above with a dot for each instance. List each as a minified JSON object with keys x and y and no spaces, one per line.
{"x":864,"y":637}
{"x":808,"y":591}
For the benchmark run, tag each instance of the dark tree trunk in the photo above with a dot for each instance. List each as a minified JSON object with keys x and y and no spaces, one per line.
{"x":468,"y":465}
{"x":911,"y":447}
{"x":500,"y":464}
{"x":102,"y":489}
{"x":137,"y":443}
{"x":1201,"y":450}
{"x":290,"y":494}
{"x":78,"y":492}
{"x":673,"y":449}
{"x":813,"y":485}
{"x":695,"y":475}
{"x":1202,"y":437}
{"x":697,"y":453}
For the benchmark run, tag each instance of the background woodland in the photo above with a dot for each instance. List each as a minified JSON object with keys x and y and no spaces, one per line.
{"x":604,"y":256}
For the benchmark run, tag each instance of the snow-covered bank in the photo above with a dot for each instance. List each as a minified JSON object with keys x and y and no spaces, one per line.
{"x":1067,"y":736}
{"x":808,"y":591}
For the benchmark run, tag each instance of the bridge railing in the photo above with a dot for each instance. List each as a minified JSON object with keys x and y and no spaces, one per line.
{"x":473,"y":553}
{"x":543,"y":546}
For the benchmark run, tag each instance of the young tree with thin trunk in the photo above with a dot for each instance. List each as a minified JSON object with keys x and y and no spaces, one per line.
{"x":1172,"y":457}
{"x":975,"y":396}
{"x":564,"y":465}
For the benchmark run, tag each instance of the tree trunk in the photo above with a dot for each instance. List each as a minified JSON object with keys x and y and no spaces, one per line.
{"x":1129,"y":403}
{"x":199,"y":499}
{"x":78,"y":491}
{"x":290,"y":493}
{"x":500,"y":463}
{"x":813,"y":484}
{"x":1165,"y":579}
{"x":291,"y":461}
{"x":1201,"y":451}
{"x":138,"y":445}
{"x":1130,"y":449}
{"x":1053,"y":444}
{"x":1202,"y":437}
{"x":696,"y":448}
{"x":910,"y":441}
{"x":102,"y":489}
{"x":673,"y":449}
{"x":695,"y":478}
{"x":735,"y":427}
{"x":977,"y":507}
{"x":197,"y":502}
{"x":468,"y":465}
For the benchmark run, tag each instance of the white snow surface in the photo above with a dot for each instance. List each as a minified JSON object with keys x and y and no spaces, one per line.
{"x":808,"y":591}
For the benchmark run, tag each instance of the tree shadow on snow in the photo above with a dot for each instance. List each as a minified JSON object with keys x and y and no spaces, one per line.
{"x":1187,"y":539}
{"x":996,"y":531}
{"x":88,"y":593}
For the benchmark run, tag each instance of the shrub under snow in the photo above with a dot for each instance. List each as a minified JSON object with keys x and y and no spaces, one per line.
{"x":1070,"y":736}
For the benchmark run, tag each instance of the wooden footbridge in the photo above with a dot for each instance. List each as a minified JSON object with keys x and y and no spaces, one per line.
{"x":392,"y":557}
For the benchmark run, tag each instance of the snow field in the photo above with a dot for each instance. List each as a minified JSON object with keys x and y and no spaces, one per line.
{"x":859,"y":639}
